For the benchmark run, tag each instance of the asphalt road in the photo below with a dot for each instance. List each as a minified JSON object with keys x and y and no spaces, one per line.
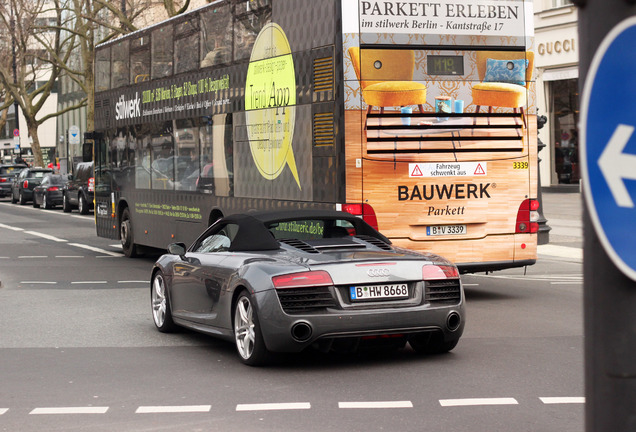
{"x":79,"y":352}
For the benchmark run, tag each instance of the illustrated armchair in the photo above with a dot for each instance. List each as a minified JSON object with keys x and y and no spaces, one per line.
{"x":505,"y":77}
{"x":386,"y":78}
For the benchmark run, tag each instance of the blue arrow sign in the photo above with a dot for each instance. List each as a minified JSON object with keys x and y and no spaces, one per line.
{"x":608,"y":145}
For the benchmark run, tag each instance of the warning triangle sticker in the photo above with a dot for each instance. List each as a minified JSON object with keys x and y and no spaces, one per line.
{"x":479,"y":170}
{"x":416,"y":172}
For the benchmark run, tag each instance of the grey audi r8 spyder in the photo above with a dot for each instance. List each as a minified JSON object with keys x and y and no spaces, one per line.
{"x":286,"y":281}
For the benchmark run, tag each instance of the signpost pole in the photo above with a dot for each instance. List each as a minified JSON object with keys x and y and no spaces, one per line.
{"x":609,"y":284}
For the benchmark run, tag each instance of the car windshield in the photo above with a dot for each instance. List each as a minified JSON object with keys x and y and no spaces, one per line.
{"x":312,"y":229}
{"x":10,"y":170}
{"x":39,"y":174}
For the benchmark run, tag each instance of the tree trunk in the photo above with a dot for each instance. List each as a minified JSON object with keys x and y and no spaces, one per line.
{"x":32,"y":127}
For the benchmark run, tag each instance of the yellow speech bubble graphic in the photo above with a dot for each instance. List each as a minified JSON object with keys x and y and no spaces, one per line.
{"x":270,"y":103}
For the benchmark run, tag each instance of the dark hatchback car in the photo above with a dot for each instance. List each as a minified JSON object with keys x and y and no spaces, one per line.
{"x":23,"y":185}
{"x":7,"y":173}
{"x":48,"y":194}
{"x":79,"y":189}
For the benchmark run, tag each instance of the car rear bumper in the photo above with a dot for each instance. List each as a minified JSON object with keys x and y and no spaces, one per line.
{"x":292,"y":333}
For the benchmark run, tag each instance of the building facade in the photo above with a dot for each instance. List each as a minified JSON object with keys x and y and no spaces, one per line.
{"x":557,"y":80}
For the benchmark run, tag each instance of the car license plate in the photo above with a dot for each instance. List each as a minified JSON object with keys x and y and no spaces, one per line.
{"x":372,"y":292}
{"x":438,"y":230}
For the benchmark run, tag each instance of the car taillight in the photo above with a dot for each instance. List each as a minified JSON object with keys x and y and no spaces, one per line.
{"x":528,"y":217}
{"x":25,"y":185}
{"x":365,"y":211}
{"x":433,"y":272}
{"x":91,"y":184}
{"x":303,"y":279}
{"x":52,"y":188}
{"x":3,"y":180}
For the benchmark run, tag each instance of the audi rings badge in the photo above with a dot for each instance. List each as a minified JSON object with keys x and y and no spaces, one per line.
{"x":378,"y":272}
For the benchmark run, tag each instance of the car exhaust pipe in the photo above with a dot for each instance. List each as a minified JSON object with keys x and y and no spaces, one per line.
{"x":453,"y":321}
{"x":301,"y":331}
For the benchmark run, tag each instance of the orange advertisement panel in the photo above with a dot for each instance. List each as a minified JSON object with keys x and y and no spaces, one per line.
{"x":440,"y":127}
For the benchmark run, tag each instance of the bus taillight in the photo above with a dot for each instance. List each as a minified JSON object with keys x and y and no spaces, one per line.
{"x":528,"y":217}
{"x":365,"y":211}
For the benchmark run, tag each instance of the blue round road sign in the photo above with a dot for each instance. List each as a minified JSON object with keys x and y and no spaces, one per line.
{"x":608,"y":145}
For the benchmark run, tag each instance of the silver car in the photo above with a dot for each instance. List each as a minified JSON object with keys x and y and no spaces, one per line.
{"x":287,"y":281}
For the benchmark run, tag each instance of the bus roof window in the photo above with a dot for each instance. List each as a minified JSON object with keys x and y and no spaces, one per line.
{"x":216,"y":36}
{"x":162,"y":48}
{"x":102,"y":69}
{"x":120,"y":69}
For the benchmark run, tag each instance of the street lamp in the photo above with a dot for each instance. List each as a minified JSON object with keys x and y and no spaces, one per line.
{"x":15,"y":77}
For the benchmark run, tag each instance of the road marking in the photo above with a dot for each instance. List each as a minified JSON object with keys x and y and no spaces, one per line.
{"x":95,"y":249}
{"x":88,"y":282}
{"x":12,"y":228}
{"x":385,"y":404}
{"x":3,"y":410}
{"x":567,"y":283}
{"x":38,"y":282}
{"x":562,"y":400}
{"x":133,"y":282}
{"x":69,"y":256}
{"x":477,"y":402}
{"x":173,"y":409}
{"x":70,"y":410}
{"x":560,"y":251}
{"x":273,"y":406}
{"x":32,"y":256}
{"x":467,"y":284}
{"x":46,"y":236}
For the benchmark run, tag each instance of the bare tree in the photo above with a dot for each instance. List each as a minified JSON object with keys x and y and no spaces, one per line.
{"x":35,"y":46}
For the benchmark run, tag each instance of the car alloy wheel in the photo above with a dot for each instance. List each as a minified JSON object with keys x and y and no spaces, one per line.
{"x":161,"y":313}
{"x":21,"y":199}
{"x":247,"y":333}
{"x":66,"y":206}
{"x":45,"y":204}
{"x":83,"y":205}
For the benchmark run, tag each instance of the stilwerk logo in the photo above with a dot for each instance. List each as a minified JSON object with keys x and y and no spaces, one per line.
{"x":125,"y":109}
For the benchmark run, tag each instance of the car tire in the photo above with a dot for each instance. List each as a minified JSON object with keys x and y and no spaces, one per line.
{"x":127,"y":236}
{"x":45,"y":203}
{"x":66,"y":206}
{"x":160,"y":303}
{"x":13,"y":198}
{"x":21,"y":199}
{"x":431,"y":343}
{"x":247,"y":332}
{"x":83,"y":205}
{"x":35,"y":204}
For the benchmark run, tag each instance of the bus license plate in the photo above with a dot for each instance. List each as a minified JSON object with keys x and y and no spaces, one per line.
{"x":372,"y":292}
{"x":438,"y":230}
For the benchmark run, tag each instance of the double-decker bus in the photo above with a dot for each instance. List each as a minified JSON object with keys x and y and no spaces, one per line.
{"x":418,"y":116}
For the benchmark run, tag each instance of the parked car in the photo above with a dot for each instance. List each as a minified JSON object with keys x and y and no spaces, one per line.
{"x":23,"y":185}
{"x":79,"y":190}
{"x":7,"y":173}
{"x":287,"y":281}
{"x":48,"y":194}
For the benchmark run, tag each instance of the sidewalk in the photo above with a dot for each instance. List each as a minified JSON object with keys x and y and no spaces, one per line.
{"x":563,"y":211}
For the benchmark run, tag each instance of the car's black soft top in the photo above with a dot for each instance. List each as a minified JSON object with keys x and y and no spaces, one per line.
{"x":254,"y":235}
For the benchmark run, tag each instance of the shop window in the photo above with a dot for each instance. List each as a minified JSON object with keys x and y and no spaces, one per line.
{"x":565,"y":103}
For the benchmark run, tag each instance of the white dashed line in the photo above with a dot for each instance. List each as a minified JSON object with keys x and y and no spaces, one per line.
{"x":39,"y":282}
{"x":477,"y":402}
{"x":562,"y":400}
{"x":386,"y":404}
{"x":69,"y":256}
{"x":173,"y":409}
{"x":3,"y":410}
{"x":12,"y":228}
{"x":94,"y":249}
{"x":133,"y":281}
{"x":70,"y":410}
{"x":273,"y":406}
{"x":32,"y":256}
{"x":88,"y":282}
{"x":46,"y":236}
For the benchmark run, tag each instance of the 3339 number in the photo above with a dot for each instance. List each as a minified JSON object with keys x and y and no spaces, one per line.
{"x":520,"y":165}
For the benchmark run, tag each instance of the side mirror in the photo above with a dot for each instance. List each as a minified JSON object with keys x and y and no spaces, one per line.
{"x":177,"y":249}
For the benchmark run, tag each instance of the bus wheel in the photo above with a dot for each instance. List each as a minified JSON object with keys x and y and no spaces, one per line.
{"x":127,"y":240}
